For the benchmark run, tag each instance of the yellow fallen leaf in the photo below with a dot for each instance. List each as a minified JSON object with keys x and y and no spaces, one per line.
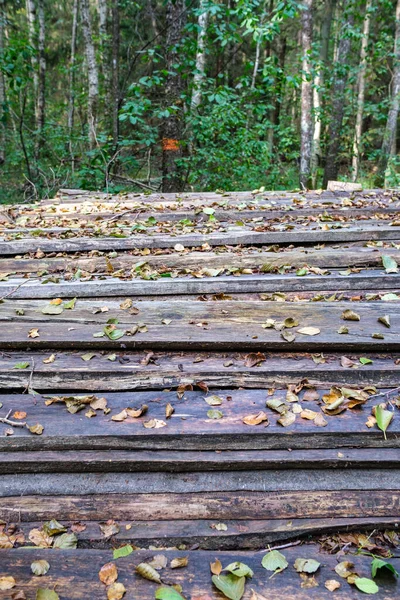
{"x":309,"y":330}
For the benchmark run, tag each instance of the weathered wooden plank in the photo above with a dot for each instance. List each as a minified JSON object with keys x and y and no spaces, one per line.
{"x":74,"y":573}
{"x":109,"y":286}
{"x":201,"y":326}
{"x":169,"y":370}
{"x":239,"y":535}
{"x":327,"y":258}
{"x":178,"y":461}
{"x":204,"y":483}
{"x":211,"y":505}
{"x":39,"y":218}
{"x":189,"y":428}
{"x":295,"y":236}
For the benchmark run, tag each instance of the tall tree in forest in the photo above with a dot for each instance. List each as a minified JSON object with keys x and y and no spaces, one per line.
{"x":361,"y":91}
{"x":92,"y":72}
{"x":338,"y":89}
{"x":71,"y":98}
{"x":106,"y":55}
{"x":391,"y":123}
{"x":41,"y":93}
{"x":115,"y":70}
{"x":2,"y":85}
{"x":173,"y":125}
{"x":32,"y":35}
{"x":200,"y":73}
{"x":328,"y":9}
{"x":306,"y":123}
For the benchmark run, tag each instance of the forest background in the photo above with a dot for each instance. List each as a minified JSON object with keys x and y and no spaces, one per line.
{"x":177,"y":95}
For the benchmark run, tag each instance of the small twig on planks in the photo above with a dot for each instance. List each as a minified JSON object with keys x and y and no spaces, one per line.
{"x":14,"y":290}
{"x":269,"y":549}
{"x":7,"y":421}
{"x":29,"y":386}
{"x":388,"y":393}
{"x":118,"y":216}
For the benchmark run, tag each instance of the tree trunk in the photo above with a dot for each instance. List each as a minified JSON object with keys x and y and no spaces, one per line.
{"x":71,"y":99}
{"x":172,"y":128}
{"x":41,"y":97}
{"x":2,"y":86}
{"x":115,"y":71}
{"x":391,"y":123}
{"x":361,"y":92}
{"x":200,"y":73}
{"x":306,"y":122}
{"x":32,"y":35}
{"x":338,"y":89}
{"x":92,"y":72}
{"x":106,"y":57}
{"x":278,"y":96}
{"x":317,"y":90}
{"x":256,"y":64}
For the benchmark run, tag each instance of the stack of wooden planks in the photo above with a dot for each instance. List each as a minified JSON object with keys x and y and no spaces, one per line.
{"x":200,"y":376}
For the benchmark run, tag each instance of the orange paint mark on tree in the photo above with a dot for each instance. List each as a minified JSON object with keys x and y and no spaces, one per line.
{"x":170,"y":145}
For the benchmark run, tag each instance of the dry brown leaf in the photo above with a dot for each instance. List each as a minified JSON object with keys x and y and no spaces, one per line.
{"x":78,"y":527}
{"x":20,"y":595}
{"x":40,"y":538}
{"x":108,"y":573}
{"x":120,"y":416}
{"x":177,"y":563}
{"x":308,"y":582}
{"x":344,"y":569}
{"x":7,"y":582}
{"x":216,"y":567}
{"x":126,"y":304}
{"x":37,"y":429}
{"x":154,"y":424}
{"x":254,"y":358}
{"x":56,"y":302}
{"x":320,"y":420}
{"x":33,"y":333}
{"x":116,"y":591}
{"x":109,"y":528}
{"x":371,"y":421}
{"x":291,"y":396}
{"x":347,"y":362}
{"x":135,"y":413}
{"x":332,"y":585}
{"x":310,"y":394}
{"x":99,"y":404}
{"x":169,"y":410}
{"x":159,"y":561}
{"x":288,"y":418}
{"x":309,"y":330}
{"x":308,"y":414}
{"x":19,"y":414}
{"x":50,"y":359}
{"x":256,"y":418}
{"x":350,"y":315}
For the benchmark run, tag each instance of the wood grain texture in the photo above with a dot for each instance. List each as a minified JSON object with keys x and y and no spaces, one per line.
{"x":239,"y":535}
{"x":189,"y":427}
{"x":75,"y":573}
{"x":170,"y":369}
{"x":211,"y":505}
{"x":109,"y":286}
{"x":201,"y":326}
{"x":299,"y":236}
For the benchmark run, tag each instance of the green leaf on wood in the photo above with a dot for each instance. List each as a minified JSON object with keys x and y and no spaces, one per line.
{"x":366,"y":585}
{"x":274,"y":561}
{"x":383,"y":418}
{"x":231,"y":586}
{"x":390,"y":264}
{"x":123,"y":551}
{"x":379,"y":563}
{"x":167,"y":593}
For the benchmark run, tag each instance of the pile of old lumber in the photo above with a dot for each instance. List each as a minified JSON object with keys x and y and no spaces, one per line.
{"x":200,"y":378}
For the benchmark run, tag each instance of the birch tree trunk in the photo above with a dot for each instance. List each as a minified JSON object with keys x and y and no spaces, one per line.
{"x":361,"y":92}
{"x":115,"y":70}
{"x":256,"y":64}
{"x":92,"y":72}
{"x":106,"y":56}
{"x":391,"y":123}
{"x":2,"y":86}
{"x":172,"y":128}
{"x":41,"y":94}
{"x":306,"y":122}
{"x":338,"y":89}
{"x":317,"y":89}
{"x":33,"y":42}
{"x":71,"y":99}
{"x":200,"y":74}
